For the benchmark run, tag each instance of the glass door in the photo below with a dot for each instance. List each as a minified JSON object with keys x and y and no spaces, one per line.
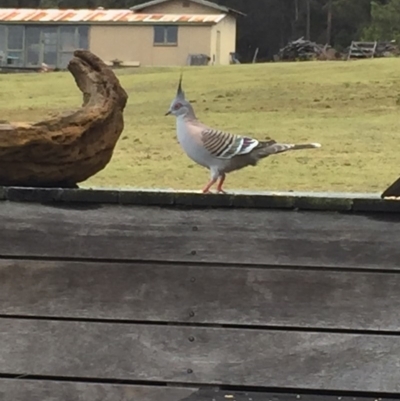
{"x":50,"y":42}
{"x":68,"y":44}
{"x":15,"y":45}
{"x":33,"y":46}
{"x":41,"y":45}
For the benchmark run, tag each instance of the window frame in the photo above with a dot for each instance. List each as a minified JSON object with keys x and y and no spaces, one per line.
{"x":165,"y":31}
{"x":14,"y":53}
{"x":22,"y":28}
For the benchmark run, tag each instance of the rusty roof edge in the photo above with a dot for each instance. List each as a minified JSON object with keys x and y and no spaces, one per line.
{"x":89,"y":16}
{"x":305,"y":201}
{"x":119,"y":23}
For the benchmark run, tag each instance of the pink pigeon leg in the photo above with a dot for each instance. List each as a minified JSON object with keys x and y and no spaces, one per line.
{"x":206,"y":189}
{"x":221,"y":182}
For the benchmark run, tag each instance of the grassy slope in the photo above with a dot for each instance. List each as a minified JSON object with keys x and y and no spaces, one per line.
{"x":349,"y":107}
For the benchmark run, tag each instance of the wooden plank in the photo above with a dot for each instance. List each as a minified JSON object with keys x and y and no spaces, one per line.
{"x":225,"y":235}
{"x":329,"y":361}
{"x":322,"y":201}
{"x":198,"y":294}
{"x":39,"y":390}
{"x":43,"y":390}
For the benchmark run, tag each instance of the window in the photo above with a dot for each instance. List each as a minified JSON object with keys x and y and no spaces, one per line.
{"x":15,"y":45}
{"x":68,"y":39}
{"x":33,"y":45}
{"x":15,"y":38}
{"x":83,"y":32}
{"x":50,"y":45}
{"x":3,"y":44}
{"x":166,"y":35}
{"x":72,"y":37}
{"x":3,"y":38}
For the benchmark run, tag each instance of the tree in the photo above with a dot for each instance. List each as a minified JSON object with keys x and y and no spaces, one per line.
{"x":385,"y":22}
{"x":329,"y":22}
{"x":350,"y":20}
{"x":308,"y":24}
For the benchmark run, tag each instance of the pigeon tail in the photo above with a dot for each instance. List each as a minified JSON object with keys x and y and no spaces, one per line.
{"x":306,"y":146}
{"x":268,"y":148}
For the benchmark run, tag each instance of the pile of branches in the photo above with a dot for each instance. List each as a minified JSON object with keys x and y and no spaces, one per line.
{"x":386,"y":49}
{"x":302,"y":49}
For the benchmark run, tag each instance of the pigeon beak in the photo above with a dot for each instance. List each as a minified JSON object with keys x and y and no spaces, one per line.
{"x":168,"y":113}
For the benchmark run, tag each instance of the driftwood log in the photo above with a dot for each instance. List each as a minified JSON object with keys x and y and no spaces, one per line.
{"x":68,"y":149}
{"x":393,"y":191}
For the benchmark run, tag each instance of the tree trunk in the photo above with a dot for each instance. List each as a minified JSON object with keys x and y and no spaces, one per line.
{"x":329,"y":23}
{"x":68,"y":149}
{"x":308,"y":24}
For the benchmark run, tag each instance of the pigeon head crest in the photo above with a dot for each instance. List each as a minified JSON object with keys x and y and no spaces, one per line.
{"x":180,"y":94}
{"x":180,"y":106}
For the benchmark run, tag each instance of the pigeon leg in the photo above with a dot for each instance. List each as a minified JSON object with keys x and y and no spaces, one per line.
{"x":206,"y":189}
{"x":221,"y":182}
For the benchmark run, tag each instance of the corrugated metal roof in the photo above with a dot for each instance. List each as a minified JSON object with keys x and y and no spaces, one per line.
{"x":102,"y":16}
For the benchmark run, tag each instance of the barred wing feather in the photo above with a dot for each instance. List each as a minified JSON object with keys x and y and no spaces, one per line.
{"x":225,"y":145}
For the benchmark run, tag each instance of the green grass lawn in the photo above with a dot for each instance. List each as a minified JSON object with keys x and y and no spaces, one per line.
{"x":349,"y":107}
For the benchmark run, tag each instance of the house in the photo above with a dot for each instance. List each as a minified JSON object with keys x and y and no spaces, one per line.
{"x":216,"y":39}
{"x":156,"y":33}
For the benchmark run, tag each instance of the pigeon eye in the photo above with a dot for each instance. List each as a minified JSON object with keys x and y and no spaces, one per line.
{"x":177,"y":106}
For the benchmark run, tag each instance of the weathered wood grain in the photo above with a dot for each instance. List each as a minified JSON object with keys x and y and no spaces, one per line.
{"x":324,"y":201}
{"x":200,"y":355}
{"x":227,"y":236}
{"x":42,"y":390}
{"x":201,"y":294}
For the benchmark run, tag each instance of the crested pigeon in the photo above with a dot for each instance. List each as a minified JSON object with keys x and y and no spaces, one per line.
{"x":219,"y":151}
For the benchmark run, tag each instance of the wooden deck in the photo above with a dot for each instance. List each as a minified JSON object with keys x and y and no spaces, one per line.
{"x":147,"y":296}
